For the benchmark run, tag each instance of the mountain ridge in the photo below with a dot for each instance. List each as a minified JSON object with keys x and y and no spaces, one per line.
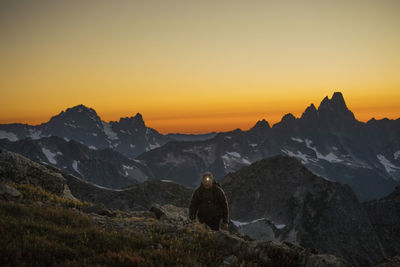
{"x":329,"y":140}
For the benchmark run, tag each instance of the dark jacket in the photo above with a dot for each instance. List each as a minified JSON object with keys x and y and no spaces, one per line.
{"x":209,"y":204}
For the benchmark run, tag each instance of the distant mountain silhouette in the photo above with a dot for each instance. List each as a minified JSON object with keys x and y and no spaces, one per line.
{"x":328,"y":140}
{"x":129,"y":136}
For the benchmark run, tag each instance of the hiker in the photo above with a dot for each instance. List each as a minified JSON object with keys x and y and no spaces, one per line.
{"x":209,"y":204}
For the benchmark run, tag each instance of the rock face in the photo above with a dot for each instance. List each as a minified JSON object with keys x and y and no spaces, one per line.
{"x":16,"y":168}
{"x":385,"y":217}
{"x":328,"y":140}
{"x":289,"y":203}
{"x":103,"y":167}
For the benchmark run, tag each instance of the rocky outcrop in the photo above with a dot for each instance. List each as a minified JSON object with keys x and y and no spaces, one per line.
{"x":289,"y":203}
{"x":17,"y":168}
{"x":9,"y":193}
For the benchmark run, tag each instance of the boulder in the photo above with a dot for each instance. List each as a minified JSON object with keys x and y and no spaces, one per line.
{"x":9,"y":193}
{"x":99,"y":209}
{"x":170,"y":212}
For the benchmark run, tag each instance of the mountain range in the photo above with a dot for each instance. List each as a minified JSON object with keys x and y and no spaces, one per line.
{"x":129,"y":136}
{"x":328,"y":140}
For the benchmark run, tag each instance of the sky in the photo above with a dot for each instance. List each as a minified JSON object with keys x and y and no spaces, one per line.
{"x":197,"y":66}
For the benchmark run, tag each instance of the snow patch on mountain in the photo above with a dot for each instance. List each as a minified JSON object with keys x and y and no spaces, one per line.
{"x":396,"y":155}
{"x":126,"y":168}
{"x":93,"y":147}
{"x":50,"y":155}
{"x":329,"y":157}
{"x":35,"y":134}
{"x":239,"y":223}
{"x":109,"y":132}
{"x":75,"y":166}
{"x":302,"y":157}
{"x":280,"y":226}
{"x":253,"y":145}
{"x":297,"y":139}
{"x":389,"y":167}
{"x":70,"y":125}
{"x":8,"y":135}
{"x":153,"y":146}
{"x":167,"y":181}
{"x":277,"y":226}
{"x":230,"y":159}
{"x":106,"y":188}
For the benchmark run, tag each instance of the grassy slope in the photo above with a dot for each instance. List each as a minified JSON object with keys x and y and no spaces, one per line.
{"x":45,"y":229}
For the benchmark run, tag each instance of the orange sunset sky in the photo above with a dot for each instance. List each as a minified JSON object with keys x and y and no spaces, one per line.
{"x":197,"y":66}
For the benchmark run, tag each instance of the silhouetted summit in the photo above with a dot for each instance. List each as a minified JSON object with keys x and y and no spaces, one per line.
{"x":335,"y":108}
{"x":132,"y":122}
{"x":310,"y":113}
{"x":261,"y":125}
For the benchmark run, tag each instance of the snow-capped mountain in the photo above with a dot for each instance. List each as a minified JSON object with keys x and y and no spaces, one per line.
{"x":129,"y":136}
{"x":328,"y":140}
{"x":105,"y":167}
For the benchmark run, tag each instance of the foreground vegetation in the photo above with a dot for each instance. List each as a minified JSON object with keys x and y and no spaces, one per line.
{"x":46,"y":230}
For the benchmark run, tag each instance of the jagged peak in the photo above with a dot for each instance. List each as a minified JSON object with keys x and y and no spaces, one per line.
{"x":134,"y":120}
{"x":81,"y":108}
{"x":288,"y":117}
{"x":77,"y":111}
{"x":261,"y":124}
{"x":336,"y":106}
{"x":335,"y":103}
{"x":310,"y":112}
{"x":337,"y":97}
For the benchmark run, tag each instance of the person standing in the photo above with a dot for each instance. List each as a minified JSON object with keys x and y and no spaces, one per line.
{"x":209,"y":204}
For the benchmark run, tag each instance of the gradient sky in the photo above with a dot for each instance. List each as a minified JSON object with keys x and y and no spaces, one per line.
{"x":197,"y":66}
